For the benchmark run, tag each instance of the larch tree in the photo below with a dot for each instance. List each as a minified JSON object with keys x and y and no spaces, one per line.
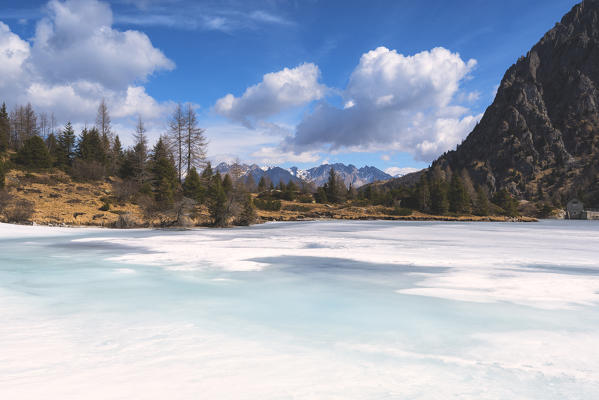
{"x":103,"y":125}
{"x":140,"y":152}
{"x":176,"y":134}
{"x":24,"y":125}
{"x":195,"y":142}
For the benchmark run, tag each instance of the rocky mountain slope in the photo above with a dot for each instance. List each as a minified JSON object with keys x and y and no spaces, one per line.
{"x":540,"y":137}
{"x":317,"y":175}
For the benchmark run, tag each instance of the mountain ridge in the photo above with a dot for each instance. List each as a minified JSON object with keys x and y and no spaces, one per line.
{"x":539,"y":139}
{"x":318,"y":175}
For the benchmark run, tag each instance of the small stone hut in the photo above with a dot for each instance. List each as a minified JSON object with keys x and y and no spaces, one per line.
{"x":575,"y":210}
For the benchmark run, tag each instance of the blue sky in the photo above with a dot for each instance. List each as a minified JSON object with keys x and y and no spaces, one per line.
{"x":385,"y":83}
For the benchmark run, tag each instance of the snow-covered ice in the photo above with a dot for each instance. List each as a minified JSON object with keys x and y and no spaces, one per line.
{"x":316,"y":310}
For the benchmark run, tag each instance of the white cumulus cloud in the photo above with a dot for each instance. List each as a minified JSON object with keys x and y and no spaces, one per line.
{"x":394,"y":102}
{"x":75,"y":59}
{"x":277,"y":92}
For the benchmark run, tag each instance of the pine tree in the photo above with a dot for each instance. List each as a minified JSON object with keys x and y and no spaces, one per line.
{"x":261,"y":185}
{"x":227,"y":184}
{"x":192,"y":186}
{"x":164,"y":174}
{"x":439,"y":202}
{"x":90,"y":147}
{"x":34,"y":154}
{"x":482,"y":202}
{"x":248,"y":213}
{"x":459,"y":201}
{"x":2,"y":175}
{"x":250,"y":184}
{"x":423,"y":194}
{"x":117,"y":153}
{"x":4,"y":129}
{"x":504,"y":199}
{"x":217,"y":201}
{"x":335,"y":188}
{"x":352,"y":193}
{"x":65,"y":151}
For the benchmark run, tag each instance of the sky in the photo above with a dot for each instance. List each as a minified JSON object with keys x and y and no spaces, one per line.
{"x":392,"y":84}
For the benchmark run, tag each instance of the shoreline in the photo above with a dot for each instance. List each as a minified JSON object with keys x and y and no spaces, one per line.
{"x":411,"y":218}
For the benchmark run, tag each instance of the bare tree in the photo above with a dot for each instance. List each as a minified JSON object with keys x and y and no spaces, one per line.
{"x":103,"y":124}
{"x":23,"y":121}
{"x":52,"y":124}
{"x":140,"y":152}
{"x":176,"y":137}
{"x":44,"y":125}
{"x":236,"y":171}
{"x":195,"y":141}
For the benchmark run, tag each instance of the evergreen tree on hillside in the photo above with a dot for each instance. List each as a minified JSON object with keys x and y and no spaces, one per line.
{"x":4,"y":129}
{"x":34,"y":154}
{"x":217,"y":201}
{"x":248,"y":212}
{"x":423,"y":194}
{"x":90,"y":146}
{"x":164,"y":174}
{"x":227,"y":184}
{"x":2,"y":175}
{"x":250,"y":184}
{"x":335,"y":188}
{"x":482,"y":203}
{"x":262,"y":185}
{"x":506,"y":201}
{"x":207,"y":174}
{"x":127,"y":167}
{"x":192,"y":186}
{"x":65,"y":147}
{"x":459,"y":201}
{"x":439,"y":201}
{"x":117,"y":153}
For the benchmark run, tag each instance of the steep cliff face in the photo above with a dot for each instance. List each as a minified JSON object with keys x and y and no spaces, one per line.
{"x":540,"y":137}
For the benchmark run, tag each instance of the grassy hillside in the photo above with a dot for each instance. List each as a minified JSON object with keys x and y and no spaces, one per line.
{"x":54,"y":198}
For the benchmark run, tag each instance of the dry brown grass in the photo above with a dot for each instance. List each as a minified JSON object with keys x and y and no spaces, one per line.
{"x":59,"y":200}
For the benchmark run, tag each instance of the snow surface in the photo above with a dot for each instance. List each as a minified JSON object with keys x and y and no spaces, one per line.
{"x":319,"y":310}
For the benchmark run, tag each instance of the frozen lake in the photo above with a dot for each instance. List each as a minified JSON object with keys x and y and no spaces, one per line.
{"x":315,"y":310}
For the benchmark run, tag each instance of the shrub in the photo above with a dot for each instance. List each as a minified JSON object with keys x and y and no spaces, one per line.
{"x":248,"y":214}
{"x":401,"y":211}
{"x":19,"y":211}
{"x":34,"y":154}
{"x":268,"y":205}
{"x":125,"y":221}
{"x":105,"y":206}
{"x":298,"y":208}
{"x":88,"y":170}
{"x":306,"y":198}
{"x":125,"y":190}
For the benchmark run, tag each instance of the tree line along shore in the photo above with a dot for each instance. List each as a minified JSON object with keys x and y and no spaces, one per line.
{"x":53,"y":175}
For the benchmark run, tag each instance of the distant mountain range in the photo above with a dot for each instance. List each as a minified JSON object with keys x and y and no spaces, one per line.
{"x":318,"y":175}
